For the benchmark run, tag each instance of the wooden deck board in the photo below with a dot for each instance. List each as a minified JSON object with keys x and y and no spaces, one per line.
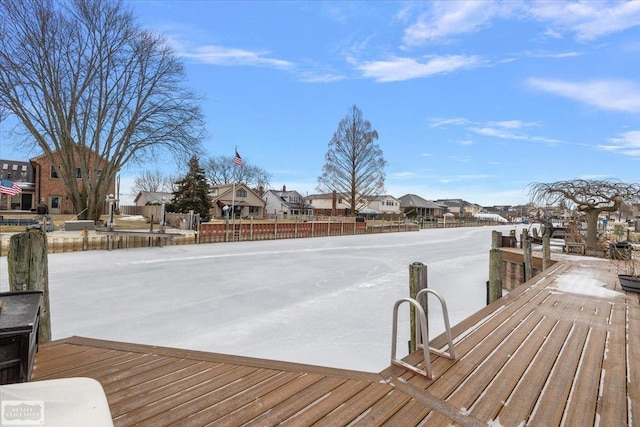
{"x":255,"y":404}
{"x":301,"y":400}
{"x":187,"y":401}
{"x":540,"y":355}
{"x":613,"y":399}
{"x":356,"y":406}
{"x":328,"y":403}
{"x":633,"y":360}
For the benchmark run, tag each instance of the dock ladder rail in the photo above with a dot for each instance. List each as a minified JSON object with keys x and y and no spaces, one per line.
{"x":422,"y":334}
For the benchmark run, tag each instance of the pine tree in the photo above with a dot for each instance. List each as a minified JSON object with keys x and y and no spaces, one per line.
{"x":192,"y":192}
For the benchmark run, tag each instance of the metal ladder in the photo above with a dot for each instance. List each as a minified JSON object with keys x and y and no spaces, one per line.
{"x":422,"y":334}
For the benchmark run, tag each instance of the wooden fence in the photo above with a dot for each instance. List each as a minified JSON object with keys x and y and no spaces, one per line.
{"x":218,"y":232}
{"x":245,"y":231}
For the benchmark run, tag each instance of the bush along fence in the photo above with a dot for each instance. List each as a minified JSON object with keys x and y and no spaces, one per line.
{"x":215,"y":233}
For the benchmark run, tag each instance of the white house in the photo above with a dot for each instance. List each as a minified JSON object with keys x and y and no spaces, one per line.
{"x":286,"y":204}
{"x":384,"y":204}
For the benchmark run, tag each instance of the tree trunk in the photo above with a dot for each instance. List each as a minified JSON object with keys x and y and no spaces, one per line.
{"x":592,"y":229}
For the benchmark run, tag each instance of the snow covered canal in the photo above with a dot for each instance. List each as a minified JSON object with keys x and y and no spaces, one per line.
{"x":324,"y":301}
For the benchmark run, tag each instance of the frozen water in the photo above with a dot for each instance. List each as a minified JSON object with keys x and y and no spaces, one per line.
{"x":322,"y":301}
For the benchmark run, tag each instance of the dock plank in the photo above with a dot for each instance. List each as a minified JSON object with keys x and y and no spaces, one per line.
{"x":613,"y":395}
{"x":326,"y":404}
{"x":285,"y":410}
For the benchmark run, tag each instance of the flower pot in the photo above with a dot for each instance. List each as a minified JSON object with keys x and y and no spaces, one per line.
{"x":629,"y":283}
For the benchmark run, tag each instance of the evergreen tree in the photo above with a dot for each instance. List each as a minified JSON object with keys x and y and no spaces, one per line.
{"x":192,"y":192}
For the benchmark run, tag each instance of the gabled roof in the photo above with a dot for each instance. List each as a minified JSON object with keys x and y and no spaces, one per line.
{"x":411,"y":200}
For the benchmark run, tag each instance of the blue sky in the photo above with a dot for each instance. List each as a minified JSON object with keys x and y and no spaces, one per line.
{"x":471,"y":100}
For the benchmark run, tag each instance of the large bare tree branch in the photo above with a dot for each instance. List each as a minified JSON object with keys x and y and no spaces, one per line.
{"x":83,"y":78}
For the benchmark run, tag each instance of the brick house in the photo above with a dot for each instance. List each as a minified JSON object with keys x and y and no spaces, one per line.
{"x":38,"y":179}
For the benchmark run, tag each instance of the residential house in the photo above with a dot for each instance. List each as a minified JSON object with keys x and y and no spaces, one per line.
{"x":240,"y":200}
{"x":333,"y":204}
{"x":286,"y":204}
{"x":145,"y":198}
{"x":416,"y":207}
{"x":22,"y":174}
{"x":460,"y":208}
{"x":384,"y":204}
{"x":38,"y":179}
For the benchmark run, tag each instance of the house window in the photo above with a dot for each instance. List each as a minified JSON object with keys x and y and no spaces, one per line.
{"x":54,"y":171}
{"x":78,"y":173}
{"x":55,"y":202}
{"x":98,"y":174}
{"x":241,"y":192}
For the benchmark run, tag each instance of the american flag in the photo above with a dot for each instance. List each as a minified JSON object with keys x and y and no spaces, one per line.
{"x":9,"y":187}
{"x":238,"y":159}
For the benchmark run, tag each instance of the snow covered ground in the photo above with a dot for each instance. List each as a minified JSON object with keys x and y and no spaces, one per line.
{"x":322,"y":301}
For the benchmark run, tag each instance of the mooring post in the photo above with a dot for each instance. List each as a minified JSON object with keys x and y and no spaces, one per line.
{"x":28,"y":269}
{"x":496,"y":239}
{"x":417,"y":282}
{"x":495,"y":268}
{"x":546,"y":252}
{"x":524,"y":234}
{"x":528,"y":260}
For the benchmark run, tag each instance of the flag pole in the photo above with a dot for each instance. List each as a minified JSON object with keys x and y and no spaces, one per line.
{"x":233,"y":191}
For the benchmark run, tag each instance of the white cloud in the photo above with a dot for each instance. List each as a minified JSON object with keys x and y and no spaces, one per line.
{"x":512,"y":124}
{"x":436,"y":122}
{"x":618,"y":95}
{"x":496,"y":133}
{"x":229,"y":56}
{"x":398,"y":69}
{"x":587,"y":20}
{"x":311,"y":77}
{"x":446,"y":19}
{"x":627,"y":144}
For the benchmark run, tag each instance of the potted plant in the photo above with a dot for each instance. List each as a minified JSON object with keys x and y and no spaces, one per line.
{"x":629,"y":273}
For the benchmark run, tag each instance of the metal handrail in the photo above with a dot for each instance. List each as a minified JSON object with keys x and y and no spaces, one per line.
{"x":425,"y":337}
{"x":447,"y":328}
{"x":422,"y":334}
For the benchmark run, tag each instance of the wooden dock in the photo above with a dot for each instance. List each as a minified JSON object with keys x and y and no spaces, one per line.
{"x":563,"y":349}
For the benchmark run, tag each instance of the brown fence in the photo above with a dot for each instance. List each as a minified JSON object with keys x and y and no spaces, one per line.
{"x":218,"y":232}
{"x":221,"y":232}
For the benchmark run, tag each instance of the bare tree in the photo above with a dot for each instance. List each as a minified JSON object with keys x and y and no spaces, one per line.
{"x":592,"y":197}
{"x":354,"y":164}
{"x":223,"y":170}
{"x":152,"y":181}
{"x":94,"y":91}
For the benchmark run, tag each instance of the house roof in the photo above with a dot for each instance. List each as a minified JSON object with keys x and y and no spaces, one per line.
{"x":154,"y":196}
{"x":411,"y":200}
{"x":19,"y":172}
